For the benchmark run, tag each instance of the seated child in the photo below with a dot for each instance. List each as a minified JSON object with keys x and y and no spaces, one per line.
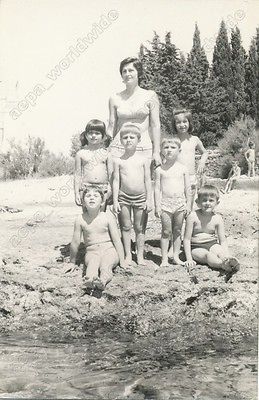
{"x":250,"y":159}
{"x":93,"y":164}
{"x":172,"y":197}
{"x":101,"y":236}
{"x":183,"y":128}
{"x":204,"y":239}
{"x":132,"y":192}
{"x":233,"y":175}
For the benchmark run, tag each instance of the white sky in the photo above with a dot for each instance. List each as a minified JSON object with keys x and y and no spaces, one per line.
{"x":35,"y":35}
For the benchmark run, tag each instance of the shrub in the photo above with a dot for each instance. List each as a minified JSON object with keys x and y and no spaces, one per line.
{"x":52,"y":165}
{"x":234,"y":143}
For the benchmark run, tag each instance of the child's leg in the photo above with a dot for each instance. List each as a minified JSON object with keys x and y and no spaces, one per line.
{"x":166,"y":221}
{"x":249,"y":169}
{"x":109,"y":260}
{"x":140,"y":222}
{"x":92,"y":263}
{"x":177,"y":224}
{"x":125,"y":225}
{"x":252,"y":168}
{"x":227,"y":263}
{"x":204,"y":256}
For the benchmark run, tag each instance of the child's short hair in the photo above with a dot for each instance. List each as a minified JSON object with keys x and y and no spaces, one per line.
{"x":128,"y":127}
{"x":208,"y":190}
{"x":95,"y":125}
{"x":251,"y":144}
{"x":170,"y":139}
{"x":95,"y":188}
{"x":187,"y":115}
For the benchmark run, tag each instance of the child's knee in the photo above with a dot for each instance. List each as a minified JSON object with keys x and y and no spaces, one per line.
{"x":166,"y":233}
{"x":138,"y":228}
{"x":126,"y":226}
{"x":177,"y":230}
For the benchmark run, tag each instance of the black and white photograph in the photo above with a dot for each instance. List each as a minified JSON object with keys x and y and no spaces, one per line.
{"x":129,"y":172}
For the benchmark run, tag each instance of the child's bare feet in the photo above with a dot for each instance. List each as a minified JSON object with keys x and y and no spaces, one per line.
{"x":164,"y":263}
{"x":128,"y":262}
{"x":177,"y":261}
{"x":141,"y":261}
{"x":98,"y":284}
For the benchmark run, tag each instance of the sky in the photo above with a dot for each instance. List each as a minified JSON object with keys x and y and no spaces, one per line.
{"x":60,"y":59}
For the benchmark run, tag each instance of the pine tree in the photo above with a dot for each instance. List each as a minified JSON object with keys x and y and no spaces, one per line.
{"x":238,"y":57}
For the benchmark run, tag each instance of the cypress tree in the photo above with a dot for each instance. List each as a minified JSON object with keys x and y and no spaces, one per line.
{"x":238,"y":57}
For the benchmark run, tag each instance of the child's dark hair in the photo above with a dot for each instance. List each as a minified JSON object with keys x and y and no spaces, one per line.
{"x":95,"y":125}
{"x":187,"y":115}
{"x":96,"y":188}
{"x":251,"y":144}
{"x":208,"y":190}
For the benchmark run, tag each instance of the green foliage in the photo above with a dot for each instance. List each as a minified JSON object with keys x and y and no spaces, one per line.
{"x":53,"y":165}
{"x":75,"y":144}
{"x":234,"y":143}
{"x":31,"y":159}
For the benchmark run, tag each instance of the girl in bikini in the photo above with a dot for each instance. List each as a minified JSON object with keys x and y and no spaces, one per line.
{"x":93,"y":163}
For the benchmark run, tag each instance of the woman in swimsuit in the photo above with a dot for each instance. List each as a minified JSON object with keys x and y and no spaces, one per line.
{"x":138,"y":106}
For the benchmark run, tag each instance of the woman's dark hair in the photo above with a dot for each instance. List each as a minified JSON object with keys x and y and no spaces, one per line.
{"x":136,"y":64}
{"x":95,"y":125}
{"x":187,"y":115}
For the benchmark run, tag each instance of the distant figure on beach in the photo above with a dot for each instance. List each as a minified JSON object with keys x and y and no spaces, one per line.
{"x":250,"y":159}
{"x":173,"y":200}
{"x":137,"y":106}
{"x":132,"y":191}
{"x":233,"y":176}
{"x":93,"y":163}
{"x":101,"y":236}
{"x":204,"y":238}
{"x":182,"y":124}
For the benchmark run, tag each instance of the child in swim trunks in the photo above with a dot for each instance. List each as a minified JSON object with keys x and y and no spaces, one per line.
{"x":204,"y":239}
{"x":183,"y":127}
{"x":101,"y":236}
{"x":132,"y":192}
{"x":172,"y":197}
{"x":93,"y":163}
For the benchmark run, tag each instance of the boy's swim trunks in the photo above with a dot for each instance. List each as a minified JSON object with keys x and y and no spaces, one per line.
{"x":177,"y":203}
{"x":132,"y":200}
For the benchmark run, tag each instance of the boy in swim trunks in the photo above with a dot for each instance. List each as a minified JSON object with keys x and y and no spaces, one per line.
{"x":132,"y":192}
{"x":233,"y":176}
{"x":172,"y":197}
{"x":204,"y":239}
{"x":104,"y":249}
{"x":250,"y":159}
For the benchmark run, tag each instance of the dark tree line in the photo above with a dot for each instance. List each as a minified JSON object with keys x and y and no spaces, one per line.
{"x":218,"y":94}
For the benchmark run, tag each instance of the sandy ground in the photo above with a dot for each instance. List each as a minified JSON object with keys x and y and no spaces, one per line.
{"x":35,"y":287}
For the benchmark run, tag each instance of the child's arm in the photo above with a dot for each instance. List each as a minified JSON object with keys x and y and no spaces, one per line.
{"x":204,"y":156}
{"x":77,"y":179}
{"x":109,"y":164}
{"x":157,"y":193}
{"x":155,"y":127}
{"x":75,"y":240}
{"x":112,"y":126}
{"x":116,"y":186}
{"x":148,"y":185}
{"x":115,"y":237}
{"x":187,"y":240}
{"x":187,"y":190}
{"x":221,"y":234}
{"x":246,"y":154}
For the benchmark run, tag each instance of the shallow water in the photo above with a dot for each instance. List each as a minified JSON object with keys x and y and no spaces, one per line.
{"x":126,"y":367}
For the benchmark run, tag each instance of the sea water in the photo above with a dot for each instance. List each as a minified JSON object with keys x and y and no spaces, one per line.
{"x":125,"y":367}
